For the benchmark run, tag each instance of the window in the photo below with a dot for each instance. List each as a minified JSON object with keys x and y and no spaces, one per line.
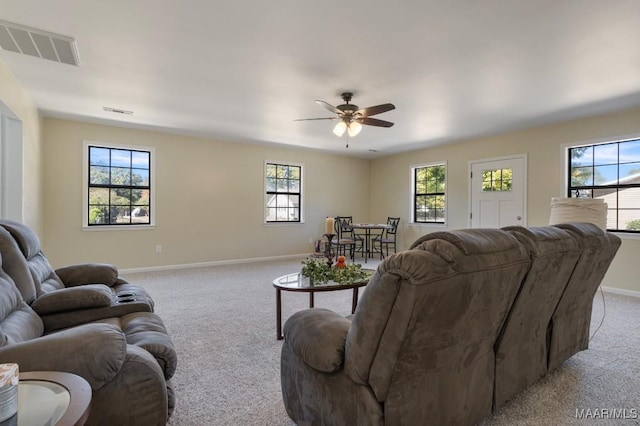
{"x":429,"y":199}
{"x":498,"y":180}
{"x":118,"y":186}
{"x":609,"y":171}
{"x":283,"y":193}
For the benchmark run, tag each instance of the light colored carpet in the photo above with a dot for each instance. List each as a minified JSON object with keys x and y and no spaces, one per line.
{"x":222,"y":322}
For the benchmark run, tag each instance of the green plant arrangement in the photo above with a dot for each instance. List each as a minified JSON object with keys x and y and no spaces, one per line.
{"x":319,"y":272}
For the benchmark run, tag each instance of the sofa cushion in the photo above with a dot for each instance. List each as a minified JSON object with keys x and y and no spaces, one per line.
{"x":95,"y":352}
{"x":43,"y":275}
{"x":74,"y":298}
{"x":524,"y":337}
{"x":15,"y":265}
{"x":88,"y":273}
{"x":18,"y":322}
{"x":147,"y":331}
{"x":318,"y":337}
{"x":572,"y":317}
{"x":27,"y":240}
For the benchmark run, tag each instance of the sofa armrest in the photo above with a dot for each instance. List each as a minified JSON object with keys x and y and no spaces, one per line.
{"x":88,"y":273}
{"x":318,"y":337}
{"x":73,"y":299}
{"x":95,"y":352}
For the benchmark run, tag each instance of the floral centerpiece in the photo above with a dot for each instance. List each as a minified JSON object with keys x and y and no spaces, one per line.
{"x":319,"y":272}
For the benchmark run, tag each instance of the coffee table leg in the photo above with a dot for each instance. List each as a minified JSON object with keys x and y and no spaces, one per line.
{"x":279,"y":314}
{"x":354,"y":302}
{"x":311,"y":299}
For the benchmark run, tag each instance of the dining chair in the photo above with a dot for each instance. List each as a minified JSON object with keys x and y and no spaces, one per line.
{"x":387,"y":237}
{"x":346,"y":237}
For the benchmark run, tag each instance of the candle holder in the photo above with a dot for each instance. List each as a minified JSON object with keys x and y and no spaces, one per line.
{"x":328,"y":253}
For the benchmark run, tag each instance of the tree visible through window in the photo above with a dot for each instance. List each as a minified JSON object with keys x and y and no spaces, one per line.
{"x":429,"y":184}
{"x":609,"y":171}
{"x":499,"y":180}
{"x":118,"y":186}
{"x":283,"y":193}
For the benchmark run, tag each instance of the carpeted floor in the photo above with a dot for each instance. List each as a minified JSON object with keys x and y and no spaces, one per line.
{"x":222,"y":321}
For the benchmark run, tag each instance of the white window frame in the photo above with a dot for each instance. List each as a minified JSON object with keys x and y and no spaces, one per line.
{"x":412,"y":210}
{"x":565,"y":164}
{"x":301,"y":194}
{"x":85,"y":187}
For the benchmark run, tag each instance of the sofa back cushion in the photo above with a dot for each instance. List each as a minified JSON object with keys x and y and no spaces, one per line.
{"x":18,"y":322}
{"x":572,"y":318}
{"x":424,"y":331}
{"x":523,"y":347}
{"x":42,"y":272}
{"x":15,"y":265}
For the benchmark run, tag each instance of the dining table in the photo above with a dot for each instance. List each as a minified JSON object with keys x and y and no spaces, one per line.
{"x":367,"y":249}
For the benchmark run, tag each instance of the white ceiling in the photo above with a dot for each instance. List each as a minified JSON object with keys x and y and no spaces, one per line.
{"x":244,"y":70}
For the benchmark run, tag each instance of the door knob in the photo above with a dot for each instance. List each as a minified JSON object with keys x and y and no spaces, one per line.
{"x":519,"y":217}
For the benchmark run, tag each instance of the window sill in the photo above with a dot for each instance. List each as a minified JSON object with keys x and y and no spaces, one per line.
{"x":119,"y":228}
{"x":626,"y":235}
{"x":427,"y":225}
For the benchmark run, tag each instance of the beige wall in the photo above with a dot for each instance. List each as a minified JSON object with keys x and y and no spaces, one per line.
{"x":20,"y":103}
{"x":205,"y":214}
{"x":209,"y":199}
{"x":391,"y":180}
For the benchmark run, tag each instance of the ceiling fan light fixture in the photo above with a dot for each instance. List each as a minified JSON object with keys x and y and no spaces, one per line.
{"x":354,"y":128}
{"x":351,"y":118}
{"x":340,"y":128}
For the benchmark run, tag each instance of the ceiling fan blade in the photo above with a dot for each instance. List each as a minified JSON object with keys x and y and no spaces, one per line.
{"x":322,"y":118}
{"x":374,"y":122}
{"x":373,"y":110}
{"x":329,"y":107}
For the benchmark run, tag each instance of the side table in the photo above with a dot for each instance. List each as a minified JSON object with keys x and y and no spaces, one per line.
{"x":52,"y":398}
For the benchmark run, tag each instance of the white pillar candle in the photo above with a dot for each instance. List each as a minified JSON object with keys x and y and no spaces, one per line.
{"x":329,"y":225}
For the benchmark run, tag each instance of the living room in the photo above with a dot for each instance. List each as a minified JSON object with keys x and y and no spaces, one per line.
{"x":209,"y":189}
{"x":370,"y":190}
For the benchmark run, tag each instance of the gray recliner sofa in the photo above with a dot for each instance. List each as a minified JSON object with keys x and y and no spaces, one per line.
{"x":125,"y":354}
{"x":69,"y":295}
{"x":449,"y":330}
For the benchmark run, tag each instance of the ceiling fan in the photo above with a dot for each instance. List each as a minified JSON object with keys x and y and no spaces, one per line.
{"x":352,"y":117}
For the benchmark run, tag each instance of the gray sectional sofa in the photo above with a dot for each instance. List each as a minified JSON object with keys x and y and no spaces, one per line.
{"x":86,"y":320}
{"x":449,"y":330}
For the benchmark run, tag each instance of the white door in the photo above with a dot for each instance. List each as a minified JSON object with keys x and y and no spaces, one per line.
{"x":498,"y":192}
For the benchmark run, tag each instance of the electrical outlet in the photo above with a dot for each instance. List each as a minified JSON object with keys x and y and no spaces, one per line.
{"x":158,"y":248}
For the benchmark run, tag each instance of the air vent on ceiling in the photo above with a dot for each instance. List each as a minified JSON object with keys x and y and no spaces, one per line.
{"x":41,"y":44}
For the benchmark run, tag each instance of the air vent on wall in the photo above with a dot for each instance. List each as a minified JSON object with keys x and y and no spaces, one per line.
{"x":41,"y":44}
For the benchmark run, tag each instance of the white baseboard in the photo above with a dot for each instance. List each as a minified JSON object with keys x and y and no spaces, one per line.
{"x":213,"y":263}
{"x":621,"y":291}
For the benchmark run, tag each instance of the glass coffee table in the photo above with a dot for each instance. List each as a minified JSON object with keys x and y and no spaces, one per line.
{"x":299,"y":283}
{"x":52,"y":398}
